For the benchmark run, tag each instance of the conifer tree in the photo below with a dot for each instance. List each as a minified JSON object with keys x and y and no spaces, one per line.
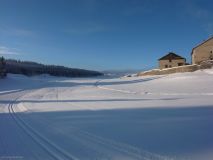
{"x":2,"y":68}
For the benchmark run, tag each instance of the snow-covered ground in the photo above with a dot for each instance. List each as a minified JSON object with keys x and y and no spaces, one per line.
{"x":150,"y":118}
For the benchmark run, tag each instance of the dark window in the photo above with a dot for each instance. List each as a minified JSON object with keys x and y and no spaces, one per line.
{"x":211,"y":56}
{"x":180,"y":64}
{"x":170,"y":66}
{"x":170,"y":60}
{"x":166,"y":66}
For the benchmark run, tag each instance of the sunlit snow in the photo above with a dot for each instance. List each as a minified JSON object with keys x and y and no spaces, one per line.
{"x":166,"y":117}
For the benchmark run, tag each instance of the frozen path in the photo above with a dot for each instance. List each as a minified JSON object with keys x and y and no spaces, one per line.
{"x":132,"y":118}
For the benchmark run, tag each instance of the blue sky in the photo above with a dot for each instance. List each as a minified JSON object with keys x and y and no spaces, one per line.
{"x":102,"y":34}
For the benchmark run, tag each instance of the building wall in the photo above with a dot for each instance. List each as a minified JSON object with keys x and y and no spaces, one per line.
{"x":203,"y":52}
{"x":173,"y":63}
{"x":186,"y":68}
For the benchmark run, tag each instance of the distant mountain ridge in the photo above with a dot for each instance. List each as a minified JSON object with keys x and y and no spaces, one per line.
{"x":30,"y":68}
{"x":120,"y":73}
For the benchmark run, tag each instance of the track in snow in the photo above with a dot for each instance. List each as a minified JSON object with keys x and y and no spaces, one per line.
{"x":104,"y":146}
{"x":52,"y":149}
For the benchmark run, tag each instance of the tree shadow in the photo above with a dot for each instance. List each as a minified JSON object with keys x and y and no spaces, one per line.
{"x":55,"y":83}
{"x":87,"y":100}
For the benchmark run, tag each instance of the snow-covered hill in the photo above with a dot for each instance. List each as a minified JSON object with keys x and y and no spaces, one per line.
{"x":152,"y":117}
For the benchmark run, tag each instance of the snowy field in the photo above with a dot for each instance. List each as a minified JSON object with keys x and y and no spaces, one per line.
{"x":146,"y":118}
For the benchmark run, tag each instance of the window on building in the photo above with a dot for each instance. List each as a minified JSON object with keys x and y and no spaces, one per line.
{"x":170,"y":66}
{"x":166,"y":66}
{"x":211,"y":56}
{"x":180,"y":64}
{"x":170,"y":60}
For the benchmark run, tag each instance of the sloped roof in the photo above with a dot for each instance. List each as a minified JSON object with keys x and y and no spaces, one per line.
{"x":201,"y":44}
{"x":171,"y":55}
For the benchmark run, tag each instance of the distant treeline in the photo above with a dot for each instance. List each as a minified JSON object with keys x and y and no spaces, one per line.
{"x":32,"y":68}
{"x":3,"y":72}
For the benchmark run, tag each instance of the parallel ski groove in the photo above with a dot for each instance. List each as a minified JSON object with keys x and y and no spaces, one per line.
{"x":52,"y":149}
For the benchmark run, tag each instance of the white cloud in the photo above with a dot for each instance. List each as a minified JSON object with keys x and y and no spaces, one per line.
{"x":201,"y":14}
{"x":22,"y":32}
{"x":86,"y":29}
{"x":16,"y":31}
{"x":140,"y":7}
{"x":8,"y":51}
{"x":209,"y":28}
